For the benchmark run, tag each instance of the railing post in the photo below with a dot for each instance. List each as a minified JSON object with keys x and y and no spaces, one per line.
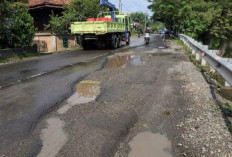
{"x":193,"y":52}
{"x":197,"y":56}
{"x":227,"y":84}
{"x":212,"y":69}
{"x":203,"y":62}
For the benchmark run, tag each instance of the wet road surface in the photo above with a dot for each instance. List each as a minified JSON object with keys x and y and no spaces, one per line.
{"x":22,"y":70}
{"x":142,"y":100}
{"x":120,"y":104}
{"x":23,"y":103}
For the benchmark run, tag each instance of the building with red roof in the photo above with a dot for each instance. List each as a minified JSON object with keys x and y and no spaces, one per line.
{"x":41,"y":10}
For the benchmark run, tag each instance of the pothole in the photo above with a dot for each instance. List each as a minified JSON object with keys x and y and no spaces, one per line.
{"x":147,"y":144}
{"x":123,"y":60}
{"x":53,"y":138}
{"x":86,"y":91}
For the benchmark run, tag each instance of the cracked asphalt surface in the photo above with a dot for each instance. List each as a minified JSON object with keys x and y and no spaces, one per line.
{"x":143,"y":90}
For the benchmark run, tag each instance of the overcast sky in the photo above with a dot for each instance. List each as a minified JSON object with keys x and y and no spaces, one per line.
{"x":129,"y":6}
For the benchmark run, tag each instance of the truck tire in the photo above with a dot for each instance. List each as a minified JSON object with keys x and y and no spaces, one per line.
{"x":88,"y":45}
{"x":114,"y":42}
{"x":119,"y":41}
{"x":85,"y":45}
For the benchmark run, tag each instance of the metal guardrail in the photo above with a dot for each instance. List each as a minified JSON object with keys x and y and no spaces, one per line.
{"x":222,"y":65}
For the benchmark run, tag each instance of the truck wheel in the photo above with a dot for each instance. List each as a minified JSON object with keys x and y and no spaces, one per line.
{"x":114,"y":42}
{"x":119,"y":41}
{"x":85,"y":45}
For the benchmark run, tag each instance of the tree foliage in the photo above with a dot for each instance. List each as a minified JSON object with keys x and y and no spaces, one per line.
{"x":16,"y":26}
{"x":207,"y":20}
{"x":139,"y":17}
{"x":76,"y":10}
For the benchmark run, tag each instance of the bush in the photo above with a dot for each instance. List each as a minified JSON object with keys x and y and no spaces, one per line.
{"x":17,"y":27}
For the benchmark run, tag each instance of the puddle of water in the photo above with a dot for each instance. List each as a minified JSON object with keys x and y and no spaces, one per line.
{"x":147,"y":144}
{"x":135,"y":61}
{"x":86,"y":91}
{"x":118,"y":61}
{"x":122,"y":61}
{"x":53,"y":138}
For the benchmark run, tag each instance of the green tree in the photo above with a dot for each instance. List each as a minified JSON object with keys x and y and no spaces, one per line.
{"x":76,"y":10}
{"x":17,"y":29}
{"x":6,"y":11}
{"x":22,"y":29}
{"x":209,"y":21}
{"x":139,"y":17}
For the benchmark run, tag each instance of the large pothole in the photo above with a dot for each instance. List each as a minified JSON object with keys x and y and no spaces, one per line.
{"x":147,"y":144}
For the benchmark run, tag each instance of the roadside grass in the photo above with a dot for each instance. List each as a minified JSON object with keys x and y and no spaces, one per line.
{"x":134,"y":34}
{"x":19,"y":57}
{"x":216,"y":82}
{"x":228,"y":108}
{"x":167,"y":112}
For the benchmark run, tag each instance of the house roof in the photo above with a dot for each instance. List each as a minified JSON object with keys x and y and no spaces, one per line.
{"x":37,"y":3}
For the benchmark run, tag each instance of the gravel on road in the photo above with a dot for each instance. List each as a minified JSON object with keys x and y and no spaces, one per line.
{"x":164,"y":94}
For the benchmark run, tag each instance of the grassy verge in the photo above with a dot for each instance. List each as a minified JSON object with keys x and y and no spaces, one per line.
{"x":134,"y":34}
{"x":19,"y":57}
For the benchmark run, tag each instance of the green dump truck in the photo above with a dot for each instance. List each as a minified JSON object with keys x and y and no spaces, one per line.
{"x":110,"y":30}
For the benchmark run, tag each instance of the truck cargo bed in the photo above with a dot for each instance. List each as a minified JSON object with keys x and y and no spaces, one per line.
{"x":97,"y":27}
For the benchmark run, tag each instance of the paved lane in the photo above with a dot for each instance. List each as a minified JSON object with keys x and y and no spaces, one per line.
{"x":24,"y":103}
{"x":14,"y":72}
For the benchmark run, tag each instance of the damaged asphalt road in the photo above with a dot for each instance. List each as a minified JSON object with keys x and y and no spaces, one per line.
{"x":145,"y":98}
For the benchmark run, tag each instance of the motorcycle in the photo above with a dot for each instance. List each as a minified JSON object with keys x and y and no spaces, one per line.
{"x":147,"y":38}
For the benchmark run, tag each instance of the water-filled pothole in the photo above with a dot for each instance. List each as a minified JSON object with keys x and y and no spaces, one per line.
{"x":147,"y":144}
{"x":86,"y":91}
{"x":122,"y":61}
{"x":53,"y":138}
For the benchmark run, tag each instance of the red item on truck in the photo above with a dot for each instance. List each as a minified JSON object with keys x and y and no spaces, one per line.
{"x":102,"y":19}
{"x":91,"y":19}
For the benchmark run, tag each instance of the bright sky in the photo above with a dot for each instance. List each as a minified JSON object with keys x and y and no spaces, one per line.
{"x":129,"y":6}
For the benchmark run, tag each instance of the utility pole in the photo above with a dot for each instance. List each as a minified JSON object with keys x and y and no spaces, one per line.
{"x":120,"y":6}
{"x":146,"y":20}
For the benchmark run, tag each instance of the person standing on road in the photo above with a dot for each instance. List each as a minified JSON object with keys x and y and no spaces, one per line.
{"x":139,"y":32}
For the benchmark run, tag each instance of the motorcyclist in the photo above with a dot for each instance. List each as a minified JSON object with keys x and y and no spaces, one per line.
{"x":148,"y":30}
{"x":147,"y":34}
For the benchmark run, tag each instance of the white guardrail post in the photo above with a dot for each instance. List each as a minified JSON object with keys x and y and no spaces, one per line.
{"x":222,"y":65}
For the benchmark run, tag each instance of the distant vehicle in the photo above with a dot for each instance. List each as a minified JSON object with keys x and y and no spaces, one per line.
{"x":111,"y":29}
